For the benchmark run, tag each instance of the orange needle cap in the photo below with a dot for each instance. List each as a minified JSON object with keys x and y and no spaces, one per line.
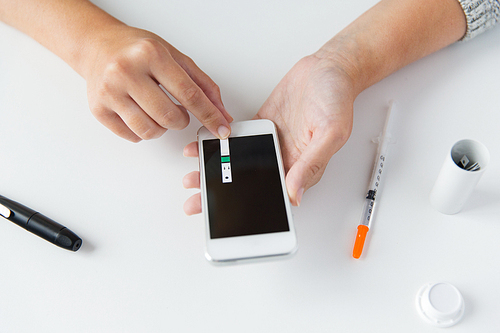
{"x":360,"y":241}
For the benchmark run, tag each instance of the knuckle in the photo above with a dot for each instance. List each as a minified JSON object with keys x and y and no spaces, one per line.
{"x":99,"y":112}
{"x":137,"y":126}
{"x":315,"y":173}
{"x":173,"y":119}
{"x":188,"y":60}
{"x":214,"y":87}
{"x":190,"y":96}
{"x":113,"y":74}
{"x":210,"y":118}
{"x":168,"y":118}
{"x":314,"y":169}
{"x":149,"y":134}
{"x":146,"y":48}
{"x":104,"y":89}
{"x":116,"y":69}
{"x":121,"y":67}
{"x":336,"y":135}
{"x":341,"y":135}
{"x":145,"y":130}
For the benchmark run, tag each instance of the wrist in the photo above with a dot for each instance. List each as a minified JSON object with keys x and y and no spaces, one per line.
{"x":339,"y":53}
{"x":364,"y":57}
{"x":391,"y":35}
{"x":95,"y":45}
{"x":345,"y":55}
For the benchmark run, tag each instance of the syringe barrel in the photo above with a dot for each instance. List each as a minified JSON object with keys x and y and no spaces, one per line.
{"x":367,"y":213}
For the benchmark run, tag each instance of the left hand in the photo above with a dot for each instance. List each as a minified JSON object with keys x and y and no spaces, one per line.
{"x":312,"y":108}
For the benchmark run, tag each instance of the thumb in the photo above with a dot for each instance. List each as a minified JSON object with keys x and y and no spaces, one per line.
{"x":310,"y":166}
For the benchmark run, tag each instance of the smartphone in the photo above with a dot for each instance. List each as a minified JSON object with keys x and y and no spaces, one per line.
{"x":244,"y":198}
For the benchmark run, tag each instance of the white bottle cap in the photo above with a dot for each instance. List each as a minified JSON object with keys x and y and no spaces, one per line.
{"x":462,"y":169}
{"x":440,"y":304}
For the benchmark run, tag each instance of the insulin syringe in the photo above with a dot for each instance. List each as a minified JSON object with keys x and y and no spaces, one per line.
{"x":369,"y":207}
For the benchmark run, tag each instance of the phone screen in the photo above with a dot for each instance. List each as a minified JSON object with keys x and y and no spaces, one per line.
{"x":252,"y":202}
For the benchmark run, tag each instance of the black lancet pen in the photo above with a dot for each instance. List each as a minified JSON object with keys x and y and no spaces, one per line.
{"x":39,"y":224}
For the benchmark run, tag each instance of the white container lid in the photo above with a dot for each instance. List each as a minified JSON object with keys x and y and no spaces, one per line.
{"x":440,"y":304}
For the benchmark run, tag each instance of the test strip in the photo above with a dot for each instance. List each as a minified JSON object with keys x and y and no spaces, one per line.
{"x":224,"y":147}
{"x":225,"y":160}
{"x":227,"y":177}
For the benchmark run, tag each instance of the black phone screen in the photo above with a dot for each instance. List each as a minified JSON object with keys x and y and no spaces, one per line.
{"x":253,"y":202}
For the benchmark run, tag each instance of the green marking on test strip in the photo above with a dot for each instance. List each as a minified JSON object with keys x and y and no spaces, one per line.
{"x":224,"y":159}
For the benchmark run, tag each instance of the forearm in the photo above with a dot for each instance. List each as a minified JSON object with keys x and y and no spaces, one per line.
{"x":393,"y":34}
{"x":69,"y":28}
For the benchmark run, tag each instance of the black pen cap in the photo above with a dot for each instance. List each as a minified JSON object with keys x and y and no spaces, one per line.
{"x":52,"y":231}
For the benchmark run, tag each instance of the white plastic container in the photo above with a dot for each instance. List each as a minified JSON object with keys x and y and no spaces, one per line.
{"x":461,"y":170}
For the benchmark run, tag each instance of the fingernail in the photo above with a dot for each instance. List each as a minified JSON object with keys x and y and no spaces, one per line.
{"x":223,"y":132}
{"x":299,"y":195}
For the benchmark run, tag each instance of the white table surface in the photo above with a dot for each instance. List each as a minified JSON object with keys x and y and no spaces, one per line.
{"x":142,"y":266}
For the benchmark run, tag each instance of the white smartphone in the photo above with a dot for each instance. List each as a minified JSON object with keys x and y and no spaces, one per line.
{"x":244,"y":198}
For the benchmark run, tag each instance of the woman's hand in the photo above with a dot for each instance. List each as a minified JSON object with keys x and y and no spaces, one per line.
{"x":124,"y":68}
{"x":123,"y":83}
{"x":312,"y":109}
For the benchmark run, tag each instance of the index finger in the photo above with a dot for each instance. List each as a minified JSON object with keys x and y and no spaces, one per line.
{"x":178,"y":83}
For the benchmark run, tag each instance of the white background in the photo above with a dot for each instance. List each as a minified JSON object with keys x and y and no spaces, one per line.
{"x":142,"y":265}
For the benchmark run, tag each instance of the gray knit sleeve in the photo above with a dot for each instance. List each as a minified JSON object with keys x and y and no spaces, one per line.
{"x":481,"y":15}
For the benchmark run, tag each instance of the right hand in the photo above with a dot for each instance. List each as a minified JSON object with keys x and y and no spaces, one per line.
{"x":123,"y":78}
